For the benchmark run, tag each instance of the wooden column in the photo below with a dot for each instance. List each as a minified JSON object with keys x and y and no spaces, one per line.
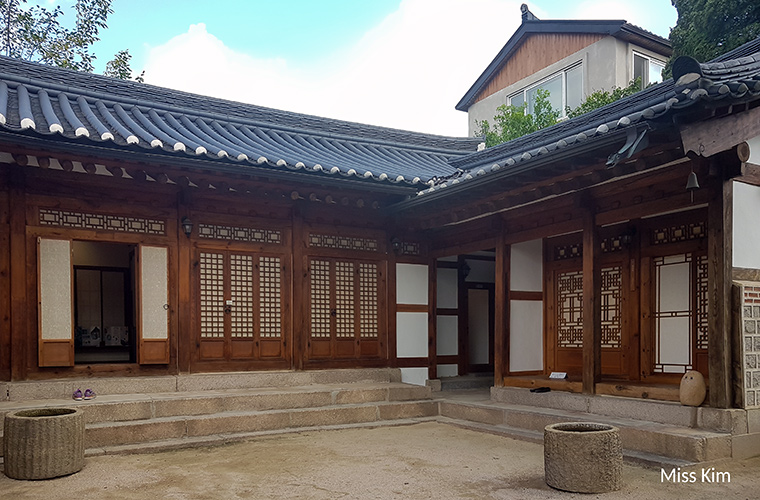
{"x":432,"y":319}
{"x":592,"y":311}
{"x":501,"y":316}
{"x":186,"y":336}
{"x":5,"y":286}
{"x":463,"y":319}
{"x":300,"y":309}
{"x":20,"y":299}
{"x":720,"y":255}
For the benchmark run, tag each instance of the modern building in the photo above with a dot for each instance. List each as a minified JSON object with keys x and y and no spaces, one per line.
{"x":568,"y":58}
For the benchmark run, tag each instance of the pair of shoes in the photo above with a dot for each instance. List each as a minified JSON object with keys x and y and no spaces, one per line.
{"x":87,"y":395}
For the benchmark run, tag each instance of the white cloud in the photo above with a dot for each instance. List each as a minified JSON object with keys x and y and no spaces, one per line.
{"x":407,"y":72}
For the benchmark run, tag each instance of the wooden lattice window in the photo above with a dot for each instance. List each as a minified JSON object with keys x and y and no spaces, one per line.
{"x":212,"y":295}
{"x":679,"y":311}
{"x":320,"y":299}
{"x":569,"y":299}
{"x":368,"y":308}
{"x":240,"y":296}
{"x":344,"y":299}
{"x":270,"y":297}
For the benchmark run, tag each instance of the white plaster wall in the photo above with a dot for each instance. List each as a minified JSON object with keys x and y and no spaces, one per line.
{"x":479,"y":314}
{"x":526,"y":323}
{"x":746,"y":237}
{"x":481,"y":271}
{"x":447,"y":335}
{"x":412,"y":284}
{"x":411,"y":335}
{"x":416,"y":376}
{"x":447,"y":371}
{"x":526,"y":266}
{"x":447,"y":288}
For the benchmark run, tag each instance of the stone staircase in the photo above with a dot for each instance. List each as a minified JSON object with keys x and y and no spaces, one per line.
{"x":172,"y":412}
{"x":652,"y":432}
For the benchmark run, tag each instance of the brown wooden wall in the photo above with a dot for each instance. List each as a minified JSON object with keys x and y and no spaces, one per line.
{"x":535,"y":53}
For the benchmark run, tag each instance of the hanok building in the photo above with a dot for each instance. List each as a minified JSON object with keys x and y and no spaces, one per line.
{"x":146,"y":231}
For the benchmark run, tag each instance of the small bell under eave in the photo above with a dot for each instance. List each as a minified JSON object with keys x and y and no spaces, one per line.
{"x":691,"y":184}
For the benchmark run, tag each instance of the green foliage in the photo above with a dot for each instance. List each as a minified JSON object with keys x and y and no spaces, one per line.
{"x":602,"y":97}
{"x":512,"y":122}
{"x":709,"y":28}
{"x":119,"y":67}
{"x":37,"y":34}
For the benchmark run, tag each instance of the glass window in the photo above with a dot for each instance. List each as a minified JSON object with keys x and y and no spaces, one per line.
{"x":517,"y":100}
{"x":574,"y":87}
{"x":655,"y":71}
{"x":553,"y":86}
{"x":648,"y":70}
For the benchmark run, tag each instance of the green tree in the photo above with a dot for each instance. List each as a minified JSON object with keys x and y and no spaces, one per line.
{"x":511,"y":122}
{"x":602,"y":97}
{"x":36,"y":33}
{"x":708,"y":28}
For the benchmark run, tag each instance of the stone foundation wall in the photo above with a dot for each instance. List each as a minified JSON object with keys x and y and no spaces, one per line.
{"x":750,"y":345}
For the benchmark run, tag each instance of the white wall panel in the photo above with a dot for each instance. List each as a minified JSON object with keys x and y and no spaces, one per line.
{"x":416,"y":376}
{"x":746,"y":237}
{"x":447,"y":288}
{"x":447,"y":331}
{"x":526,"y":323}
{"x":411,"y":335}
{"x":447,"y":371}
{"x":526,"y":269}
{"x":412,"y":284}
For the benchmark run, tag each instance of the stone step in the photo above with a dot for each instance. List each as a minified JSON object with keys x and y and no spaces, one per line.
{"x":129,"y":407}
{"x":663,"y":412}
{"x":64,"y":388}
{"x":108,"y":434}
{"x":650,"y":438}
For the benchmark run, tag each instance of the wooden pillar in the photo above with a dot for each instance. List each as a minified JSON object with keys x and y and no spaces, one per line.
{"x":432,"y":318}
{"x":20,"y":301}
{"x":5,"y":286}
{"x":463,"y":319}
{"x":186,"y":333}
{"x":501,"y":315}
{"x":392,"y":344}
{"x":300,"y":309}
{"x":719,"y":256}
{"x":592,"y":311}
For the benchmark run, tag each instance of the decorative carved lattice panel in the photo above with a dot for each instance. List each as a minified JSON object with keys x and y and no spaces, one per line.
{"x":212,"y":295}
{"x":569,"y":300}
{"x":612,"y":288}
{"x":241,"y":293}
{"x":673,"y":313}
{"x":270,"y":297}
{"x":343,"y":242}
{"x":702,"y":300}
{"x":320,"y":299}
{"x":85,"y":220}
{"x":368,"y":300}
{"x":344,"y":300}
{"x":235,"y":233}
{"x":680,"y":232}
{"x":571,"y":251}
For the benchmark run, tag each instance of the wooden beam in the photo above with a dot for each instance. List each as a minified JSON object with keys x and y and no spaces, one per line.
{"x":713,"y":136}
{"x":719,"y":274}
{"x":501,"y":319}
{"x":592,"y":324}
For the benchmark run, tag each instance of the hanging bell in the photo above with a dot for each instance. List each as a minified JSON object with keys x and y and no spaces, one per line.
{"x":692,"y":182}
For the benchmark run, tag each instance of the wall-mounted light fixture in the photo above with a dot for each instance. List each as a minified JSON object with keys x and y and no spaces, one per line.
{"x":692,"y":184}
{"x":187,"y":226}
{"x":396,"y":245}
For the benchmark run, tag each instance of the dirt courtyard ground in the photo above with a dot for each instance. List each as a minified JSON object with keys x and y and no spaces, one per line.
{"x":425,"y":460}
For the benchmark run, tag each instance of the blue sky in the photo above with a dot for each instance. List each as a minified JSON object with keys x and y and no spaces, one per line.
{"x":395,"y":63}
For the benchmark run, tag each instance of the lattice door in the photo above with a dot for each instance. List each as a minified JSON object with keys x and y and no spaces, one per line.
{"x":344,"y":308}
{"x":240,"y":305}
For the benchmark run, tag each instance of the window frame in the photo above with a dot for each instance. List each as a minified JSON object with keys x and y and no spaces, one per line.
{"x":649,"y":60}
{"x":563,"y":74}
